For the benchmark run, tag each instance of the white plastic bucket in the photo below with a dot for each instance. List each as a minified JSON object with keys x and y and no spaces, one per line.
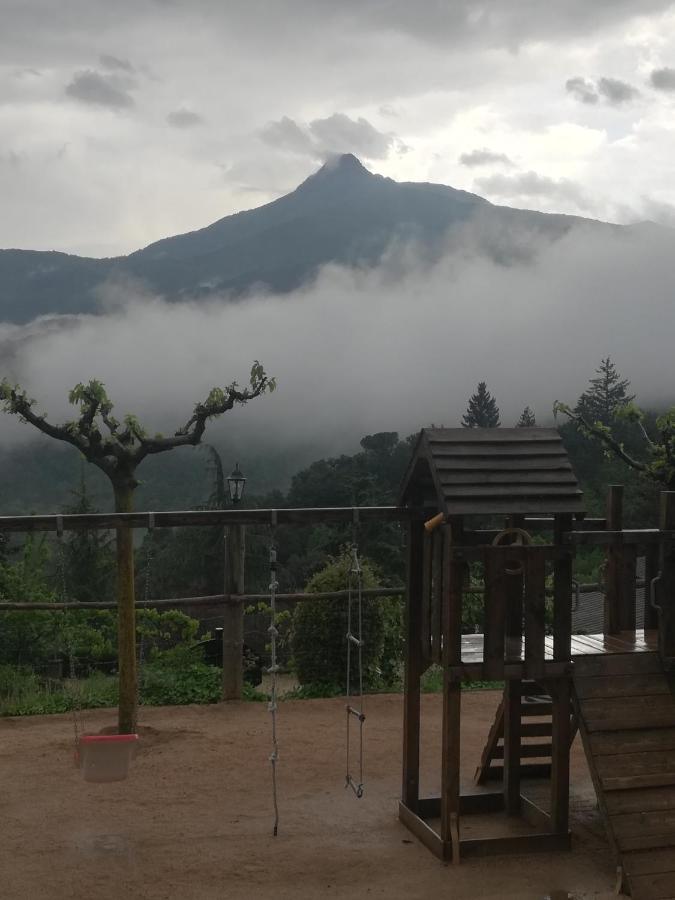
{"x":106,"y":757}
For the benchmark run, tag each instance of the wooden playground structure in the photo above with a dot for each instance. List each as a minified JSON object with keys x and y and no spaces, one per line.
{"x":616,"y":688}
{"x":501,"y":509}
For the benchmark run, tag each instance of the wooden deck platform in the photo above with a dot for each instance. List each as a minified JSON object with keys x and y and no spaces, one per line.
{"x":582,"y":645}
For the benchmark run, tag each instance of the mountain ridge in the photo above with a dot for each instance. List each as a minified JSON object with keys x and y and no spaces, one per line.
{"x":342,"y":213}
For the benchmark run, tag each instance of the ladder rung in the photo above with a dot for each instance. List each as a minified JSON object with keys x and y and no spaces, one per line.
{"x":357,"y":713}
{"x":527,"y":750}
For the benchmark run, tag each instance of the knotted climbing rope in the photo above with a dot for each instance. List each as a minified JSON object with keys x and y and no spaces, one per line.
{"x":355,"y":639}
{"x":273,"y":671}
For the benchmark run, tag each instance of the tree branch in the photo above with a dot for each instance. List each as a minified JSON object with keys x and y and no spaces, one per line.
{"x":604,"y":436}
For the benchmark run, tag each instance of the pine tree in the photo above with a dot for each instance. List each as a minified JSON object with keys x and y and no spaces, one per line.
{"x":527,"y":419}
{"x":606,"y":394}
{"x":482,"y":411}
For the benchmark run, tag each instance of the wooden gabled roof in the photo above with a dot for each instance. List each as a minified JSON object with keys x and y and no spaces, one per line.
{"x":466,"y":471}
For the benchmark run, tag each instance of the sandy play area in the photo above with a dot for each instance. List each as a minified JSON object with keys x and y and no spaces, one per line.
{"x":194,"y":818}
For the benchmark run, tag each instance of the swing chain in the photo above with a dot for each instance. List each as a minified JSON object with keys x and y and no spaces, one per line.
{"x":273,"y":670}
{"x":355,"y":582}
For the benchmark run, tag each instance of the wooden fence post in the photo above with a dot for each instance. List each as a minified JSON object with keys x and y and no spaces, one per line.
{"x":620,"y":571}
{"x":665,"y":596}
{"x":233,"y":618}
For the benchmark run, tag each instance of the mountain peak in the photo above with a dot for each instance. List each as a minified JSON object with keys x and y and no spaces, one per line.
{"x":343,"y":164}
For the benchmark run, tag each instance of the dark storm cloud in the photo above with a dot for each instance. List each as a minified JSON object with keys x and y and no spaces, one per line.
{"x":184,"y":118}
{"x":663,"y":79}
{"x":531,"y":185}
{"x":484,"y":157}
{"x":335,"y":134}
{"x":94,"y":88}
{"x":616,"y":91}
{"x":582,"y":90}
{"x":114,"y":63}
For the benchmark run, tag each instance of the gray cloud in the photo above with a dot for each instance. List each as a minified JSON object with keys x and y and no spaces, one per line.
{"x":114,"y":63}
{"x":340,"y":134}
{"x":531,"y":185}
{"x":286,"y":134}
{"x":612,"y":90}
{"x":616,"y":91}
{"x":96,"y":89}
{"x":663,"y":79}
{"x":342,"y":375}
{"x":582,"y":90}
{"x":484,"y":157}
{"x":333,"y":135}
{"x":184,"y":118}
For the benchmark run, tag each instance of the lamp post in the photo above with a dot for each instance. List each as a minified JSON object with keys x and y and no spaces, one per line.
{"x":233,"y":619}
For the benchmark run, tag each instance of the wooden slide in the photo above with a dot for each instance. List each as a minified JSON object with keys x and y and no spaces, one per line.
{"x":625,"y":708}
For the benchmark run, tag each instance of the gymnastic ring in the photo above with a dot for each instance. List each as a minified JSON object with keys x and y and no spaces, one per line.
{"x":523,"y":539}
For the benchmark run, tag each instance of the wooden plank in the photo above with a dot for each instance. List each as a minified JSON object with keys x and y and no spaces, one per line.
{"x":437,"y":597}
{"x":642,"y":536}
{"x":509,"y":506}
{"x":533,"y":480}
{"x":498,"y":435}
{"x":426,"y":602}
{"x":535,"y":629}
{"x":494,"y":615}
{"x":500,"y":451}
{"x":633,"y":782}
{"x":516,"y":491}
{"x":621,"y":686}
{"x":452,"y":696}
{"x":666,"y":584}
{"x":650,"y":614}
{"x":622,"y":664}
{"x":656,"y":886}
{"x":423,"y":832}
{"x":562,"y":594}
{"x":621,"y":713}
{"x":652,"y":841}
{"x":648,"y":862}
{"x":638,"y":801}
{"x":511,"y":748}
{"x":413,"y":667}
{"x":520,"y":844}
{"x":560,"y":756}
{"x":503,"y":464}
{"x":205,"y":518}
{"x":649,"y":762}
{"x":528,"y":751}
{"x":634,"y":741}
{"x":659,"y":821}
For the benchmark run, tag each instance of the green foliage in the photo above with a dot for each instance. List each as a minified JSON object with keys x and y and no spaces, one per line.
{"x":527,"y":419}
{"x":482,"y":410}
{"x":319,"y":629}
{"x":605,"y":396}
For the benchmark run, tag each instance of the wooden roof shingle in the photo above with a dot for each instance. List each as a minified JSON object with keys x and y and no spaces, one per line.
{"x":466,"y":471}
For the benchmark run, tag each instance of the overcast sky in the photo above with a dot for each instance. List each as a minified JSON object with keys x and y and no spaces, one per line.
{"x":124,"y":122}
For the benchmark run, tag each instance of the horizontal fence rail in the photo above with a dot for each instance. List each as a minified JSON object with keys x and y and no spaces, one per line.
{"x":206,"y":518}
{"x":209,"y":600}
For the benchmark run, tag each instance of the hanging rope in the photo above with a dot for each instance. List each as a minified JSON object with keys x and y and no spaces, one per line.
{"x":149,"y":554}
{"x":355,"y":585}
{"x":273,"y":669}
{"x":69,"y":639}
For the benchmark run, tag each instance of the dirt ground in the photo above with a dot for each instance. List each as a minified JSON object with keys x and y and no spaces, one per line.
{"x":194,"y":818}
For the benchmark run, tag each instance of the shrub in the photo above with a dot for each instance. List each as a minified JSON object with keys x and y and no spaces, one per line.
{"x":320,"y":627}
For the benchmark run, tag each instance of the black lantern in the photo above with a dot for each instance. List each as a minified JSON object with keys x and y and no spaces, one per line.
{"x":235,"y":484}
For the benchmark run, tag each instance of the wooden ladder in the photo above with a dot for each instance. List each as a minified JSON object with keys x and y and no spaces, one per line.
{"x":536,"y":730}
{"x":626,"y":713}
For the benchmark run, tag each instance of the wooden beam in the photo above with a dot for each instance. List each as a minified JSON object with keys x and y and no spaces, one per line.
{"x":206,"y":518}
{"x":512,"y":739}
{"x":666,"y":584}
{"x":413,"y":666}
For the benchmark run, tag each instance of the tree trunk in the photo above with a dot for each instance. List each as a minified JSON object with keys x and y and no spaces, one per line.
{"x":126,"y":612}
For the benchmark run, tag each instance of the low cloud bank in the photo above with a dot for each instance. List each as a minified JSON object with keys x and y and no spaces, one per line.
{"x":394,"y":348}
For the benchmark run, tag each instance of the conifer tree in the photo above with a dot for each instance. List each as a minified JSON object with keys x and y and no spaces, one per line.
{"x":482,"y":410}
{"x":527,"y":419}
{"x":608,"y":392}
